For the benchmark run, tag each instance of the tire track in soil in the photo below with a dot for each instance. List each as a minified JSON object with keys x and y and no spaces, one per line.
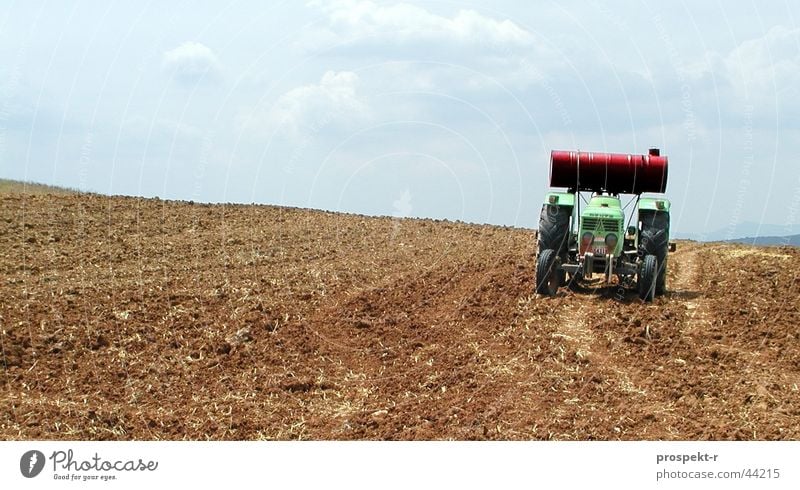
{"x":685,"y":285}
{"x":753,"y":374}
{"x":572,"y":326}
{"x":608,"y":332}
{"x":577,"y":325}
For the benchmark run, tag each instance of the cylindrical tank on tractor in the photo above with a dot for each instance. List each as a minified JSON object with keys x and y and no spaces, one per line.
{"x":615,"y":173}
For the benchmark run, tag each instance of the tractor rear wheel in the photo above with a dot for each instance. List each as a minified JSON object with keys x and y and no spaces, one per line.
{"x":655,"y":241}
{"x":661,"y":282}
{"x":554,"y":228}
{"x":655,"y":233}
{"x":648,"y":276}
{"x":547,"y":274}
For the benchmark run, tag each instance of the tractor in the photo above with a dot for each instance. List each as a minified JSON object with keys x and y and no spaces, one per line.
{"x":576,"y":244}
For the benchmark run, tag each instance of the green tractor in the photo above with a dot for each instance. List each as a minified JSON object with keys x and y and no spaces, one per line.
{"x":576,"y":245}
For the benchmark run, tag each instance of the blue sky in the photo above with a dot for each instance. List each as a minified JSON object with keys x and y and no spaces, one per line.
{"x":423,"y":109}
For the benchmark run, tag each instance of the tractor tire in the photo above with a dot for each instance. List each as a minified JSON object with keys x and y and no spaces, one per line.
{"x":547,"y":274}
{"x":554,"y":228}
{"x":654,"y":240}
{"x":648,"y":277}
{"x":661,"y":282}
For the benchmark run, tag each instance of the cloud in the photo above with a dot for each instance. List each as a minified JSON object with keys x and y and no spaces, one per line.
{"x":191,"y":62}
{"x":363,"y":26}
{"x":309,"y":109}
{"x":755,"y":81}
{"x":460,"y":53}
{"x":768,"y":64}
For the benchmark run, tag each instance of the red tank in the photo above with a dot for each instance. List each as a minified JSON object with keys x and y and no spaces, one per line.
{"x":616,"y":173}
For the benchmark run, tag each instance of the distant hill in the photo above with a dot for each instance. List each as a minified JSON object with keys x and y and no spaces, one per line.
{"x":791,"y":240}
{"x":17,"y":187}
{"x":746,"y":231}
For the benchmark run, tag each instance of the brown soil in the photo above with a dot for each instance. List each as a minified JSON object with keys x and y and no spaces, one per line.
{"x":129,"y":318}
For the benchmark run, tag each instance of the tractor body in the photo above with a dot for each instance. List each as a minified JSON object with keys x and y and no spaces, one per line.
{"x":593,"y":242}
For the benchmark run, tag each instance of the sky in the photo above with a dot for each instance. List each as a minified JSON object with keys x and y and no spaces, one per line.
{"x":435,"y":109}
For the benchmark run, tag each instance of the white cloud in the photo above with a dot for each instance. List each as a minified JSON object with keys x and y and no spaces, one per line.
{"x":191,"y":62}
{"x":334,"y":101}
{"x":757,"y":79}
{"x":486,"y":53}
{"x":769,"y":64}
{"x":364,"y":25}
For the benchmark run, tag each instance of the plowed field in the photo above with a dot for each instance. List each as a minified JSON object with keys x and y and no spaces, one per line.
{"x":128,"y":318}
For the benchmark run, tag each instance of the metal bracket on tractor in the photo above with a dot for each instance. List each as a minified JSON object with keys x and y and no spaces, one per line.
{"x":580,"y":242}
